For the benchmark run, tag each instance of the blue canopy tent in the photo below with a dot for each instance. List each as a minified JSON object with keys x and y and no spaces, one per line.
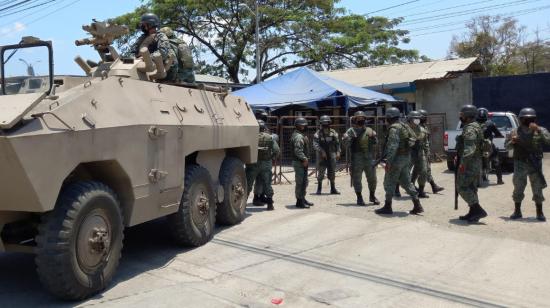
{"x":306,"y":88}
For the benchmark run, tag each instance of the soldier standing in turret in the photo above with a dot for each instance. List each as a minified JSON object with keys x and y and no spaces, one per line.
{"x":327,"y":145}
{"x":468,"y":146}
{"x":299,"y":146}
{"x":362,"y":142}
{"x":418,"y":152}
{"x":268,"y":150}
{"x":527,"y":141}
{"x":157,"y":43}
{"x":397,"y":157}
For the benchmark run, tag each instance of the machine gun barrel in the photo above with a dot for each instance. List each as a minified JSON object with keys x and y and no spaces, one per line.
{"x":103,"y":33}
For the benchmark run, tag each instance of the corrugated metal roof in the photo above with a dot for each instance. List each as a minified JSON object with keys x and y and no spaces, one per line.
{"x":402,"y":73}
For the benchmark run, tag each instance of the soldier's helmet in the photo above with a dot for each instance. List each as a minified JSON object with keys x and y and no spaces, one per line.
{"x":261,"y":114}
{"x":325,"y":120}
{"x":151,"y":19}
{"x":414,"y":115}
{"x":392,"y":113}
{"x":359,"y":114}
{"x":482,"y":114}
{"x":469,"y":111}
{"x":168,"y":31}
{"x":262,"y":125}
{"x":300,"y":122}
{"x":424,"y":114}
{"x":527,"y":113}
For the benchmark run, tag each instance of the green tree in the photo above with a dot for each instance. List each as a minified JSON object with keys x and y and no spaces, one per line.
{"x":535,"y":55}
{"x":494,"y":40}
{"x":293,"y":33}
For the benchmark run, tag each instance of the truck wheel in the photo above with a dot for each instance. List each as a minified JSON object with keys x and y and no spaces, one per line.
{"x":451,"y":165}
{"x":79,"y":243}
{"x":233,"y":179}
{"x":193,"y":223}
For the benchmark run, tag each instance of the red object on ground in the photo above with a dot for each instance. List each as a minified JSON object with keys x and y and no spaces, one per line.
{"x":277,"y":301}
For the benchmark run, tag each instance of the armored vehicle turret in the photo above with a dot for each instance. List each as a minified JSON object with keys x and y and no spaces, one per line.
{"x":82,"y":160}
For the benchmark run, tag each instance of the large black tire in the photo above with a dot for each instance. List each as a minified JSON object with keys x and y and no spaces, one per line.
{"x":79,"y":243}
{"x":193,"y":223}
{"x":233,"y":179}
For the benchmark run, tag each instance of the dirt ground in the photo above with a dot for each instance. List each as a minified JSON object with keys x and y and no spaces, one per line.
{"x":439,"y":208}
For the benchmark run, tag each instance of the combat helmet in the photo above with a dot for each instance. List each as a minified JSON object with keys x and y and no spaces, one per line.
{"x":300,"y":122}
{"x":392,"y":113}
{"x":325,"y":120}
{"x":414,"y":115}
{"x":261,"y":114}
{"x":469,"y":111}
{"x":482,"y":114}
{"x":359,"y":114}
{"x":262,"y":125}
{"x":424,"y":114}
{"x":151,"y":19}
{"x":527,"y":113}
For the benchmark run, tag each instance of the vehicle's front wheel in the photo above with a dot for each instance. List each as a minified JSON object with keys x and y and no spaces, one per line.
{"x":79,"y":243}
{"x":193,"y":223}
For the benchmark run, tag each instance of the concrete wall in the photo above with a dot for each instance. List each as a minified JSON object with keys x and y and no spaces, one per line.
{"x":445,"y":96}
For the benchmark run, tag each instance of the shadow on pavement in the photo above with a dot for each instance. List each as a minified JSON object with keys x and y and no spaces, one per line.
{"x":522,"y":220}
{"x":458,"y":222}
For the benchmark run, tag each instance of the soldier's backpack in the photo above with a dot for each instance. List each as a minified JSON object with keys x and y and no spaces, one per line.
{"x":183,"y":53}
{"x":410,"y":135}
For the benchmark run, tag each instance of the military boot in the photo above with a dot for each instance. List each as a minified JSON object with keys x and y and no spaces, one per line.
{"x":421,"y":192}
{"x":308,"y":203}
{"x":386,"y":209}
{"x":372,"y":198}
{"x":257,"y":201}
{"x":319,"y":187}
{"x":269,"y":202}
{"x":540,"y":214}
{"x":397,"y":192}
{"x":499,"y":177}
{"x":360,"y":200}
{"x":517,"y":211}
{"x":333,"y":190}
{"x":417,"y":209}
{"x":467,"y":216}
{"x":435,"y":187}
{"x":477,"y":213}
{"x":301,"y":205}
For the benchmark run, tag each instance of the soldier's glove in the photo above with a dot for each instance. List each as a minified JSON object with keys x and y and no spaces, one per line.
{"x":461,"y":168}
{"x":323,"y":155}
{"x":338,"y":156}
{"x":386,"y":166}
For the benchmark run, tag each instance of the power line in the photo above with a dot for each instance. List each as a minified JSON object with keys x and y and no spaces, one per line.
{"x":28,"y":8}
{"x":466,"y":12}
{"x":21,"y":18}
{"x":449,"y":8}
{"x":14,"y":5}
{"x":391,"y":7}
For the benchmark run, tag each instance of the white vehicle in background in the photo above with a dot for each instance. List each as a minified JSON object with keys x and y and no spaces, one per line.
{"x":505,"y":122}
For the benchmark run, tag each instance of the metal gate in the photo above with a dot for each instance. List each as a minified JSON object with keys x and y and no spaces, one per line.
{"x":437,"y":124}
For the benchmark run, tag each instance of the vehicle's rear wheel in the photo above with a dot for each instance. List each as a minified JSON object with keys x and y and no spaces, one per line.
{"x":233,"y":179}
{"x":193,"y":223}
{"x":79,"y":243}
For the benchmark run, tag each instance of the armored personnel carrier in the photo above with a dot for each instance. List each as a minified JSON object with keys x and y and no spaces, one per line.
{"x":81,"y":161}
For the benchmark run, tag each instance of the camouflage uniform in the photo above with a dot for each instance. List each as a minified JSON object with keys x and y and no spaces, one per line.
{"x":469,"y":148}
{"x":327,"y":143}
{"x":362,"y":142}
{"x":184,"y":56}
{"x":299,"y":146}
{"x":159,"y":44}
{"x":419,"y":158}
{"x":398,"y":157}
{"x":528,"y":152}
{"x":268,"y":150}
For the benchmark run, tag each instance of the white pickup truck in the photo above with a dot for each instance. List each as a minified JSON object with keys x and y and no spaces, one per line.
{"x":505,"y":122}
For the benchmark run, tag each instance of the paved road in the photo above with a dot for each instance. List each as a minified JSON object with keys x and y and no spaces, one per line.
{"x":334,"y":254}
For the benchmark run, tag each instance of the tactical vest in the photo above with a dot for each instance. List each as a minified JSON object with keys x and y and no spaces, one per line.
{"x":328,"y":142}
{"x":526,"y":145}
{"x":183,"y":54}
{"x":361,"y":143}
{"x":265,"y":146}
{"x":407,"y":138}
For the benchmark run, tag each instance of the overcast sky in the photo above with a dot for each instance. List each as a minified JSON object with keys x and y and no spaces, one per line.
{"x":432,"y":22}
